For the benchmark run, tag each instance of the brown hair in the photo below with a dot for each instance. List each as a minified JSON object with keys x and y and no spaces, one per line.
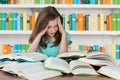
{"x":45,"y":15}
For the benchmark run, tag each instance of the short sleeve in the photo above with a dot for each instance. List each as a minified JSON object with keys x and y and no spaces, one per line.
{"x":68,"y":37}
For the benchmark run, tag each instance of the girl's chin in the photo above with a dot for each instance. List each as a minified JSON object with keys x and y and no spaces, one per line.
{"x":52,"y":35}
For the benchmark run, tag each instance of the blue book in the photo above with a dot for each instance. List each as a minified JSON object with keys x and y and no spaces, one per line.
{"x":92,"y":1}
{"x":76,"y":1}
{"x":0,"y":21}
{"x":117,"y":51}
{"x":21,"y":21}
{"x":19,"y":47}
{"x":15,"y":48}
{"x":80,"y":47}
{"x":96,"y":47}
{"x":73,"y":22}
{"x":18,"y":22}
{"x":4,"y":14}
{"x":15,"y":20}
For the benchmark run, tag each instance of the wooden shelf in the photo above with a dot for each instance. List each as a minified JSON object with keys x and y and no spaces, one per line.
{"x":70,"y":32}
{"x":60,"y":6}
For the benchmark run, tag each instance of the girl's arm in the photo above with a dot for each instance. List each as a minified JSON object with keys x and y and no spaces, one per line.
{"x":34,"y":46}
{"x":64,"y":43}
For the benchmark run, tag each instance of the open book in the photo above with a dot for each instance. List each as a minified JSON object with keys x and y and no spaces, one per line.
{"x":23,"y":57}
{"x":72,"y":55}
{"x":30,"y":71}
{"x":74,"y":67}
{"x":91,"y":57}
{"x":110,"y":71}
{"x":98,"y":59}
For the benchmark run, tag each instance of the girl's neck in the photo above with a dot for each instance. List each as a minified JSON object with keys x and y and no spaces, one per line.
{"x":50,"y":39}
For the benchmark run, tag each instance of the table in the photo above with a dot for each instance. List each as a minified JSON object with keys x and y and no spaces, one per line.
{"x":8,"y":76}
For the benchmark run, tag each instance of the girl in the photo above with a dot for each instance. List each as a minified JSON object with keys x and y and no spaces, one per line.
{"x":48,"y":36}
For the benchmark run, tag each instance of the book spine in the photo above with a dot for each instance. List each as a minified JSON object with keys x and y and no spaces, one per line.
{"x":4,"y":21}
{"x":0,"y":21}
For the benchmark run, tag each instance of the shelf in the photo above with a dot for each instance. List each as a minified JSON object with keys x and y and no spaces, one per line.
{"x":60,"y":6}
{"x":94,"y":32}
{"x":15,"y":32}
{"x":70,"y":32}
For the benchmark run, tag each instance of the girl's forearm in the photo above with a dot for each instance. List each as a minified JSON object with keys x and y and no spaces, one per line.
{"x":34,"y":46}
{"x":63,"y":44}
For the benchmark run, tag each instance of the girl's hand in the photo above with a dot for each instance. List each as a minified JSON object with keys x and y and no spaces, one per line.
{"x":44,"y":31}
{"x":62,"y":31}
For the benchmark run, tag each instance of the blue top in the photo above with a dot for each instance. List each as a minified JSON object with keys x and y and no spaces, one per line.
{"x":53,"y":51}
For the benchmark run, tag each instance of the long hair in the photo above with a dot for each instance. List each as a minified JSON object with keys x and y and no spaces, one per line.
{"x":44,"y":16}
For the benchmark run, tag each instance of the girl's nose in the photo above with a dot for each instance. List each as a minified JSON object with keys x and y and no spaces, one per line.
{"x":53,"y":29}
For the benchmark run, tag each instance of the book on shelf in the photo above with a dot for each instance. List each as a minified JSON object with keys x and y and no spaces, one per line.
{"x":110,"y":71}
{"x":75,"y":67}
{"x":23,"y":57}
{"x":29,"y":71}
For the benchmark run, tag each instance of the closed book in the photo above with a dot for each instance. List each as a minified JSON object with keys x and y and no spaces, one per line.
{"x":114,"y":22}
{"x":10,"y":23}
{"x":0,"y":21}
{"x":68,"y":1}
{"x":15,"y":14}
{"x":46,"y":1}
{"x":25,"y":15}
{"x":37,"y":1}
{"x":73,"y":21}
{"x":4,"y":20}
{"x":80,"y":22}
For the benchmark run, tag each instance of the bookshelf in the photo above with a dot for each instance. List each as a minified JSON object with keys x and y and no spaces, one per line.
{"x":78,"y":37}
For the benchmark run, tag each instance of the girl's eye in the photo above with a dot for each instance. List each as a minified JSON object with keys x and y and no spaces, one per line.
{"x":49,"y":27}
{"x":56,"y":26}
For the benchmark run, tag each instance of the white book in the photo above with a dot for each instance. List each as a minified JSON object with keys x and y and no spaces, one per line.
{"x":74,"y":67}
{"x":23,"y":57}
{"x":30,"y":71}
{"x":110,"y":71}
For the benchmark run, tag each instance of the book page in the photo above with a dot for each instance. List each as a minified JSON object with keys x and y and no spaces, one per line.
{"x":6,"y":56}
{"x":34,"y":56}
{"x":80,"y":68}
{"x":70,"y":54}
{"x":110,"y":71}
{"x":104,"y":57}
{"x":95,"y":62}
{"x":57,"y":64}
{"x":33,"y":71}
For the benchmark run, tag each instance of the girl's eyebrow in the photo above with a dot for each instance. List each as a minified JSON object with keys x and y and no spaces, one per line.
{"x":53,"y":26}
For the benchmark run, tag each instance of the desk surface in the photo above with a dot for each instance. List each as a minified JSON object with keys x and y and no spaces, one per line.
{"x":8,"y":76}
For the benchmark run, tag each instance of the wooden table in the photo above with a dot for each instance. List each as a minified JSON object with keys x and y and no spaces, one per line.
{"x":8,"y":76}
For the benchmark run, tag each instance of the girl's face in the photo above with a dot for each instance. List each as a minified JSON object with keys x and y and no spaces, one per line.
{"x":52,"y":27}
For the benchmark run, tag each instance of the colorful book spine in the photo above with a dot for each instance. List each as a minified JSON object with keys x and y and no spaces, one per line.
{"x":114,"y":22}
{"x":73,"y":21}
{"x":0,"y":21}
{"x":25,"y":15}
{"x":4,"y":21}
{"x":117,"y":51}
{"x":37,"y":1}
{"x":10,"y":22}
{"x":15,"y":21}
{"x":18,"y":22}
